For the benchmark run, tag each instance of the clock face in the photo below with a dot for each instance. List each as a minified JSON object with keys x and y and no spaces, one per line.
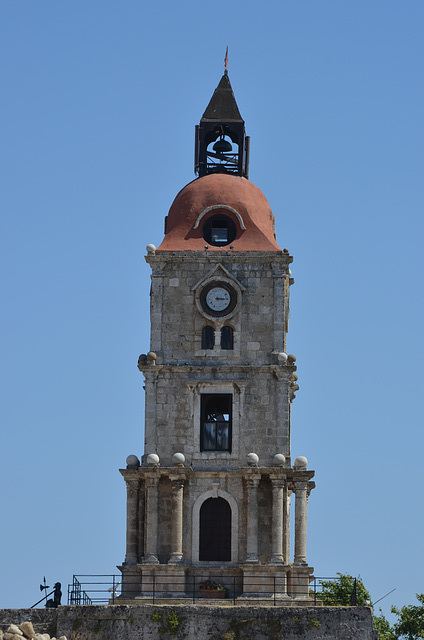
{"x":218,"y":299}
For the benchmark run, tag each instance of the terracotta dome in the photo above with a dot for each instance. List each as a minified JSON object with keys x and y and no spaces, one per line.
{"x":225,"y":197}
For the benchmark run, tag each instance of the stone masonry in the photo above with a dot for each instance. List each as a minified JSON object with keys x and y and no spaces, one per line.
{"x":196,"y":623}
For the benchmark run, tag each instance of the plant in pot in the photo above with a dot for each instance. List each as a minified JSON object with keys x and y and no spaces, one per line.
{"x":210,"y":589}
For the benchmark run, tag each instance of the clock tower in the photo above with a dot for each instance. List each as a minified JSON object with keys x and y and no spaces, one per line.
{"x":211,"y":495}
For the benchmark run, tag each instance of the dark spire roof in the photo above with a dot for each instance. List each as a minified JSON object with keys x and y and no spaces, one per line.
{"x":222,"y":106}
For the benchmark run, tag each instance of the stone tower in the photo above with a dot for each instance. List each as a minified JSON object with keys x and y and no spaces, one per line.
{"x":211,"y":496}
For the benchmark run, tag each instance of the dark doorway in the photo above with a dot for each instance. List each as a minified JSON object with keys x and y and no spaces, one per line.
{"x":215,"y":530}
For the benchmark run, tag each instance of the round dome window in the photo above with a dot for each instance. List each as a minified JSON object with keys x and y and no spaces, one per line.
{"x":219,"y":230}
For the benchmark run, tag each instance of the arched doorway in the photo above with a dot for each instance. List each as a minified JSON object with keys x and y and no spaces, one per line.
{"x":215,"y":530}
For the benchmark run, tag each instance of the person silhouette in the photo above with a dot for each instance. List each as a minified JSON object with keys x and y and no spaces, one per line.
{"x":57,"y":596}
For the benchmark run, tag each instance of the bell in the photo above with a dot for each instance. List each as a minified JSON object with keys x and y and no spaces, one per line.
{"x":222,"y":146}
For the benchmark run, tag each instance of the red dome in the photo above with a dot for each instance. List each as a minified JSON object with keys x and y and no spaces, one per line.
{"x":229,"y":196}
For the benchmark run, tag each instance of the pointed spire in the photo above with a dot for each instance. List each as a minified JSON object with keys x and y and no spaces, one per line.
{"x":226,"y":62}
{"x":223,"y":105}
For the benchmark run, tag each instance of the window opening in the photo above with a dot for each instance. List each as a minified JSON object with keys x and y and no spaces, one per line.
{"x":219,"y":230}
{"x":208,"y":338}
{"x":215,"y":530}
{"x":227,"y":338}
{"x":222,"y":155}
{"x":216,"y":418}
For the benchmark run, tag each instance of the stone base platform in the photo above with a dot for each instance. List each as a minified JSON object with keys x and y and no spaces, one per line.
{"x":250,"y":581}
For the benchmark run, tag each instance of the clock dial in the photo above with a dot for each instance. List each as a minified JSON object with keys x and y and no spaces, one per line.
{"x":218,"y":299}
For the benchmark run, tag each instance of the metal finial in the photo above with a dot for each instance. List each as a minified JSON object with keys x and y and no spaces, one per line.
{"x":226,"y":62}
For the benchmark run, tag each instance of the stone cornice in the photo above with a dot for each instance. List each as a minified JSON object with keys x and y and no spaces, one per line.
{"x":182,"y":473}
{"x":217,"y":256}
{"x":280,"y":371}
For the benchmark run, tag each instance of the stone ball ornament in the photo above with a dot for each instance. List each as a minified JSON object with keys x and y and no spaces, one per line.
{"x":152,"y":460}
{"x":151,"y":357}
{"x":132,"y":462}
{"x":282,"y":358}
{"x":291,"y":358}
{"x":178,"y":459}
{"x":252,"y":459}
{"x":301,"y":462}
{"x":151,"y":249}
{"x":279,"y":459}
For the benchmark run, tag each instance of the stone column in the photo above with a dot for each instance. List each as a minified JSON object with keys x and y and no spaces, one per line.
{"x":133,"y":487}
{"x":286,"y":525}
{"x":177,"y":521}
{"x":150,"y":385}
{"x":280,"y":327}
{"x":252,"y":520}
{"x":301,"y":493}
{"x":283,"y":413}
{"x":278,"y":485}
{"x":151,"y":535}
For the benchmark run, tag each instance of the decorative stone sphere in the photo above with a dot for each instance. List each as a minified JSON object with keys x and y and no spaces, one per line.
{"x":152,"y":460}
{"x":279,"y":459}
{"x":301,"y":462}
{"x":178,"y":459}
{"x":132,"y":462}
{"x":291,"y":358}
{"x":151,"y":248}
{"x":151,"y":357}
{"x":252,"y":459}
{"x":282,"y":358}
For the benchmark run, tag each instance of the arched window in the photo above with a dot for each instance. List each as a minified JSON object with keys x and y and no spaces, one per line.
{"x":208,"y":338}
{"x":215,"y":530}
{"x":227,"y":339}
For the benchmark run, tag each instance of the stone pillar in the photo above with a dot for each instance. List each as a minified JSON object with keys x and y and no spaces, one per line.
{"x":133,"y":487}
{"x":283,"y":413}
{"x":141,"y":515}
{"x":252,"y":520}
{"x":280,"y":310}
{"x":151,"y":534}
{"x":150,"y":385}
{"x":286,"y":525}
{"x":177,"y":521}
{"x":278,"y":485}
{"x":301,"y":493}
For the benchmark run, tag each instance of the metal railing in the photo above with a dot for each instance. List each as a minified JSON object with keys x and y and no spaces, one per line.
{"x":233,"y":589}
{"x":76,"y":594}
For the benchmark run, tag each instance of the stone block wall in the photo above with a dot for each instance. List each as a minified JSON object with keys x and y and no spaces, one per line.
{"x":182,"y":622}
{"x":261,"y":413}
{"x":261,"y":315}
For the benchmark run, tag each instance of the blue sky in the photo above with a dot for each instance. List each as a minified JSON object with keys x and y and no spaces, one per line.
{"x":99,"y":103}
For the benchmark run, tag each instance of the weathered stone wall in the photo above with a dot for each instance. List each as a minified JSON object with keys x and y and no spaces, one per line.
{"x":265,"y":520}
{"x":185,"y":371}
{"x":261,"y":401}
{"x":149,"y":622}
{"x":265,"y":281}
